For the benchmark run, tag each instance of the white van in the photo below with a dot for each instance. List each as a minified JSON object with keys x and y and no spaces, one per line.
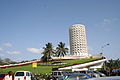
{"x":23,"y":75}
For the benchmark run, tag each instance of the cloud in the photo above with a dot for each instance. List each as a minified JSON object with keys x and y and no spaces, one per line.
{"x":7,"y":51}
{"x":2,"y":55}
{"x":107,"y":22}
{"x":2,"y":50}
{"x":13,"y":52}
{"x":7,"y":45}
{"x":90,"y":48}
{"x":35,"y":50}
{"x":116,"y":19}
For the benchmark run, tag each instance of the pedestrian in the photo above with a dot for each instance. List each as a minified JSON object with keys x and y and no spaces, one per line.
{"x":9,"y":76}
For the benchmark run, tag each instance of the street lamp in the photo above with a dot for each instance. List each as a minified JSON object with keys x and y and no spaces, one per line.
{"x":102,"y":47}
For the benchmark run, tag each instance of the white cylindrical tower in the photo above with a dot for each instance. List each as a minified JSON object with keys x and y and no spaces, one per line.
{"x":78,"y":42}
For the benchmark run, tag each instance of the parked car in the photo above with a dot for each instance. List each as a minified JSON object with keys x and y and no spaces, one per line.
{"x":2,"y":76}
{"x":116,"y":72}
{"x":107,"y":78}
{"x":91,"y":73}
{"x":23,"y":75}
{"x":74,"y":76}
{"x":101,"y":74}
{"x":57,"y":74}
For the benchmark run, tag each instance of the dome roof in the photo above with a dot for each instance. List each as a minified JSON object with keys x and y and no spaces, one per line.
{"x":76,"y":26}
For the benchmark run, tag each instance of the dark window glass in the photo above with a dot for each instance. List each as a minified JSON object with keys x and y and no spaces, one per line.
{"x":2,"y":75}
{"x":55,"y":73}
{"x":19,"y":74}
{"x":27,"y":74}
{"x":59,"y":73}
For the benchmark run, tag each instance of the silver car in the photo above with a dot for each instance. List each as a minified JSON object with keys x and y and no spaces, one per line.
{"x":57,"y":74}
{"x":91,"y":73}
{"x":101,"y":74}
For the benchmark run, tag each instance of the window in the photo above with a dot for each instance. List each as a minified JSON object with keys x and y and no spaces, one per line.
{"x":54,"y":73}
{"x":59,"y":73}
{"x":19,"y":74}
{"x":2,"y":75}
{"x":27,"y":74}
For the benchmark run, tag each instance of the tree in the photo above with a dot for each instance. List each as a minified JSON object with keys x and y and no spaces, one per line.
{"x":1,"y":60}
{"x":48,"y":52}
{"x":7,"y":60}
{"x":61,"y":50}
{"x":110,"y":65}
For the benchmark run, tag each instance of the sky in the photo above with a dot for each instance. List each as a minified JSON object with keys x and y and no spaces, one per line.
{"x":27,"y":25}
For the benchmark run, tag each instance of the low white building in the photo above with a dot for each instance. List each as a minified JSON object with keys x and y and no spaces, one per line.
{"x":85,"y":66}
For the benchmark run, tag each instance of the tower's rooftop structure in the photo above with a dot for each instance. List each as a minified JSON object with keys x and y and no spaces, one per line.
{"x":77,"y":25}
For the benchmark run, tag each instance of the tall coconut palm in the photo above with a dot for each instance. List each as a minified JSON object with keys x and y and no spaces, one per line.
{"x":61,"y":50}
{"x":48,"y":51}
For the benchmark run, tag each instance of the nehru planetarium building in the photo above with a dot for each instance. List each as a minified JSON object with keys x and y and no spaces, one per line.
{"x":78,"y":42}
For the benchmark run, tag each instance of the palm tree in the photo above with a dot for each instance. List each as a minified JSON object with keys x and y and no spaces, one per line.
{"x":48,"y":51}
{"x":61,"y":50}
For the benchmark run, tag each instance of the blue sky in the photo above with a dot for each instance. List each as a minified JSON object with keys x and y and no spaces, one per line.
{"x":27,"y":25}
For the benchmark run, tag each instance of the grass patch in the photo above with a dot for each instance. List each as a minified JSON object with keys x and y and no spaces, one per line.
{"x":46,"y":69}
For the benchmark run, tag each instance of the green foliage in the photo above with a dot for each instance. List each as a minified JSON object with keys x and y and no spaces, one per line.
{"x":112,"y":64}
{"x":46,"y":69}
{"x":2,"y":63}
{"x":61,"y":50}
{"x":48,"y":51}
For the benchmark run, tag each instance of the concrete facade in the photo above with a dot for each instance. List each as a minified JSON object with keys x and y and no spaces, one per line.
{"x":78,"y":42}
{"x":91,"y":65}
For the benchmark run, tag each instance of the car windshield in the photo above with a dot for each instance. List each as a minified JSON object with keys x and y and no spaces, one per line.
{"x":19,"y":74}
{"x":96,"y":72}
{"x":64,"y":72}
{"x":2,"y":75}
{"x":75,"y":76}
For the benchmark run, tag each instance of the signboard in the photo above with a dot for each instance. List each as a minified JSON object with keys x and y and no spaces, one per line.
{"x":34,"y":65}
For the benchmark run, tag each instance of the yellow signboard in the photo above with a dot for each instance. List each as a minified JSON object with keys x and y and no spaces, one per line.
{"x":34,"y":65}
